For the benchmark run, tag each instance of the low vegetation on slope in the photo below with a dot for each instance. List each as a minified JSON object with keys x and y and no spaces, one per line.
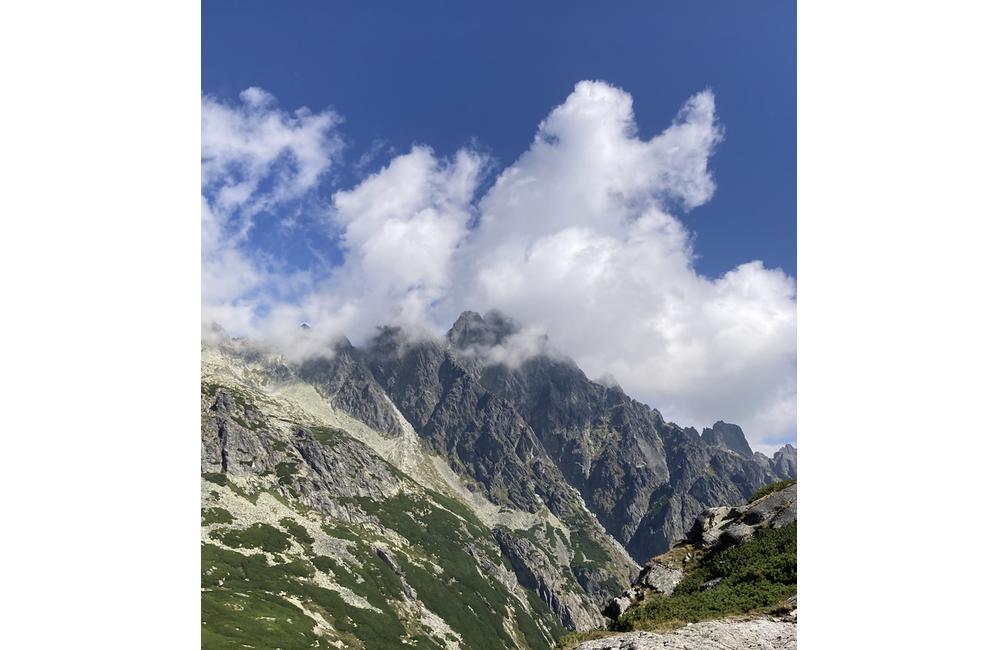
{"x":405,"y":567}
{"x":270,"y":588}
{"x":757,"y":576}
{"x":319,"y":531}
{"x":768,"y":489}
{"x":721,"y":577}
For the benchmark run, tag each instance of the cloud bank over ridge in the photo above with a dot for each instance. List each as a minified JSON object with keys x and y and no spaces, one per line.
{"x":578,"y":238}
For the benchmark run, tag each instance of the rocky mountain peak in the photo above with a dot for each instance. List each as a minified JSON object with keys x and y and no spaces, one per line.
{"x":729,"y":436}
{"x":475,"y":330}
{"x":786,"y":450}
{"x":786,"y":461}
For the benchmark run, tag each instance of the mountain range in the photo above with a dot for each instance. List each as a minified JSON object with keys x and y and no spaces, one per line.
{"x":475,"y":490}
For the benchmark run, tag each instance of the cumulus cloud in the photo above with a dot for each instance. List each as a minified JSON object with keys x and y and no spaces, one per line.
{"x":398,"y":232}
{"x":255,"y":158}
{"x":579,"y":238}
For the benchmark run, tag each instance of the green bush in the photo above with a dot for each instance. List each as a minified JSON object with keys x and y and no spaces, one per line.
{"x":215,"y":477}
{"x":285,"y":472}
{"x":329,"y":435}
{"x":297,"y":530}
{"x":216,"y":516}
{"x":262,"y":536}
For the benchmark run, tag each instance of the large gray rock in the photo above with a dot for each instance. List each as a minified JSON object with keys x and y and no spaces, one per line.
{"x":472,"y":330}
{"x":345,"y":468}
{"x":776,"y":509}
{"x":785,"y":462}
{"x":727,"y":526}
{"x":736,"y":534}
{"x":482,"y":436}
{"x":618,"y":606}
{"x":234,"y":435}
{"x":707,"y":525}
{"x":659,"y":578}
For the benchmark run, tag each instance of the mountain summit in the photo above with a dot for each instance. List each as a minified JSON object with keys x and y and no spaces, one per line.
{"x":729,"y":436}
{"x":472,"y":330}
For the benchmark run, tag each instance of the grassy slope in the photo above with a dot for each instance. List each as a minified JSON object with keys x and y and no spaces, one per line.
{"x":256,"y":598}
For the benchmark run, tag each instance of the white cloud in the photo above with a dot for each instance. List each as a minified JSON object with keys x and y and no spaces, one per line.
{"x":255,"y":158}
{"x":398,"y":232}
{"x":576,"y":239}
{"x":243,"y":146}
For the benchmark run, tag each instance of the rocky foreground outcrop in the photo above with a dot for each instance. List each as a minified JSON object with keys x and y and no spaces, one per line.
{"x":660,"y":575}
{"x":715,"y":529}
{"x":726,"y":525}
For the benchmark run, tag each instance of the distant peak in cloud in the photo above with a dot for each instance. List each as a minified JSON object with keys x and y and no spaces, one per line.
{"x":472,"y":329}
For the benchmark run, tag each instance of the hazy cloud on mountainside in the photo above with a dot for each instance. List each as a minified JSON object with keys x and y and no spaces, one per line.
{"x":577,"y":239}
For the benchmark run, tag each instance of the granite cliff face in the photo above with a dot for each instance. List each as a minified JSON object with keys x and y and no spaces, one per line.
{"x":389,"y":489}
{"x":645,"y":479}
{"x":344,"y":380}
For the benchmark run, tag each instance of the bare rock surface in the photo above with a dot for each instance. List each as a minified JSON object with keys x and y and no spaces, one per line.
{"x":537,"y":572}
{"x":348,"y":384}
{"x":729,"y":436}
{"x":660,"y":578}
{"x":728,"y":526}
{"x":758,"y":633}
{"x":661,"y":575}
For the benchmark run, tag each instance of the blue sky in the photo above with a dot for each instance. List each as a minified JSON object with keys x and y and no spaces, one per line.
{"x":447,"y":73}
{"x":618,"y":178}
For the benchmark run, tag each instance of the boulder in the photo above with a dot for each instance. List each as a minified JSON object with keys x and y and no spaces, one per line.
{"x":727,"y":526}
{"x":656,"y":577}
